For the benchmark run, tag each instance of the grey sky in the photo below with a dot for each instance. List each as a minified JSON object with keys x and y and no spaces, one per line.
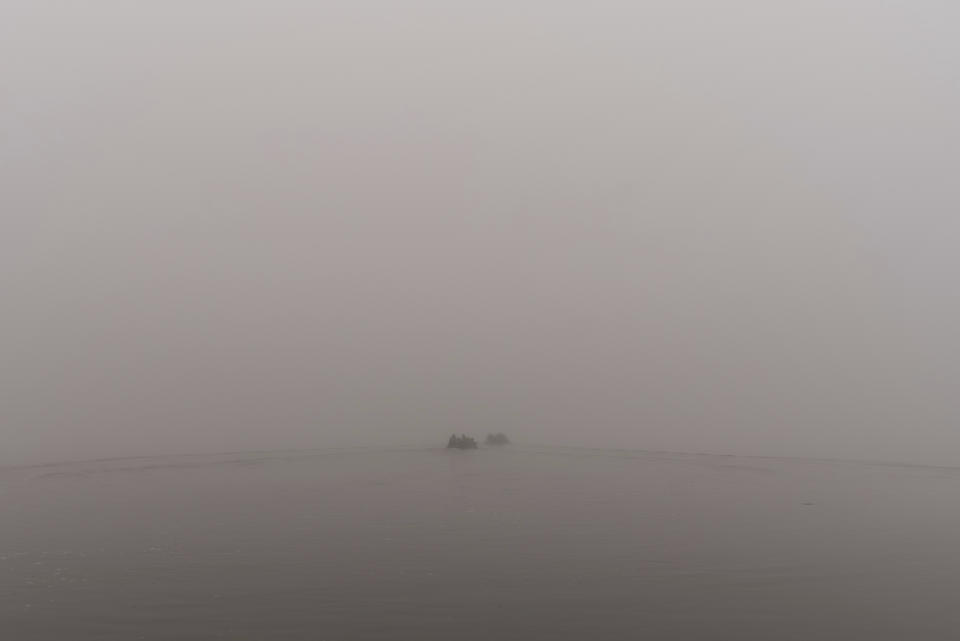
{"x":695,"y":225}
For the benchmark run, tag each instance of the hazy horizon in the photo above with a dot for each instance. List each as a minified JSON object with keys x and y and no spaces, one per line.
{"x":690,"y":226}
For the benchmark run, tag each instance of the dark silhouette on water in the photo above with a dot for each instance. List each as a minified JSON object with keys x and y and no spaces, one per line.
{"x":497,"y":439}
{"x":462,"y":442}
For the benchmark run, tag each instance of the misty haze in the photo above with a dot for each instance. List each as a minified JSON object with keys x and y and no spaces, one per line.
{"x":502,"y":320}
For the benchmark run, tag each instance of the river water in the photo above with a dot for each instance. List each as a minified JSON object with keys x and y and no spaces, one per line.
{"x":518,"y":543}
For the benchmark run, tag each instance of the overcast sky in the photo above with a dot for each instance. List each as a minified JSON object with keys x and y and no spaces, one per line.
{"x":702,"y":225}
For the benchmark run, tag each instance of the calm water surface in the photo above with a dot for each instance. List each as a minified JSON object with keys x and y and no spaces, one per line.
{"x":516,"y":543}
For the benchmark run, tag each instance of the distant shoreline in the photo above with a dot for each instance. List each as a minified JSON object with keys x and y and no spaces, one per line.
{"x":240,"y":455}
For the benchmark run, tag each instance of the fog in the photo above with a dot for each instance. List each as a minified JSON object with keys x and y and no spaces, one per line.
{"x":684,"y":225}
